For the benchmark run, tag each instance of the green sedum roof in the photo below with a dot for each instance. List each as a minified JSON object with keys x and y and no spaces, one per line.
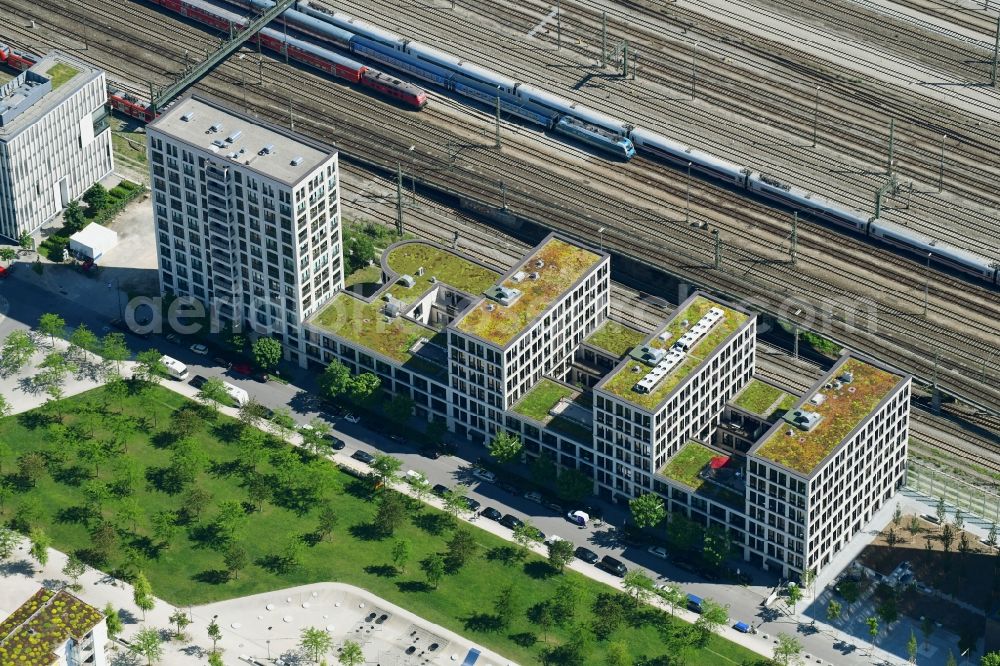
{"x":685,"y":466}
{"x":60,"y":73}
{"x":545,"y":395}
{"x":763,"y":399}
{"x":446,"y":266}
{"x":621,"y":383}
{"x":48,"y":619}
{"x":616,"y":339}
{"x":842,"y":411}
{"x":564,"y":264}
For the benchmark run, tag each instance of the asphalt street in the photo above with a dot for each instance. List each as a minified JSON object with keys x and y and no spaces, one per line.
{"x":22,"y":301}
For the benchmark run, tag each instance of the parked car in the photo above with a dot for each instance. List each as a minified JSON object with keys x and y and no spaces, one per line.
{"x":586,"y":554}
{"x":363,"y":456}
{"x":336,"y":443}
{"x":511,"y":522}
{"x":491,"y":513}
{"x":440,"y":489}
{"x":930,"y":518}
{"x":429,"y":452}
{"x":658,"y":551}
{"x":612,"y":566}
{"x":199,"y":349}
{"x":174,"y":338}
{"x":472,"y":504}
{"x":555,"y":507}
{"x":242,"y":369}
{"x":198,"y":381}
{"x":533,"y":496}
{"x":222,"y":362}
{"x":351,"y":418}
{"x":578,"y":518}
{"x":552,"y":539}
{"x":744,"y":628}
{"x":509,"y":488}
{"x":484,"y":475}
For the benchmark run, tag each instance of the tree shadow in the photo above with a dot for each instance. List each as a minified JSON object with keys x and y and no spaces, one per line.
{"x":525,"y":639}
{"x":413,"y":586}
{"x":17,"y":568}
{"x":434,"y":524}
{"x":366,"y":532}
{"x":360,"y":489}
{"x":164,"y":479}
{"x":35,"y":419}
{"x":205,"y":536}
{"x":508,"y":555}
{"x":70,"y":475}
{"x":224,"y":468}
{"x":73,"y":515}
{"x":145,"y":545}
{"x":539,"y":570}
{"x":163,"y":440}
{"x":211,"y":576}
{"x":227,"y":432}
{"x":483,"y":622}
{"x":382,"y":570}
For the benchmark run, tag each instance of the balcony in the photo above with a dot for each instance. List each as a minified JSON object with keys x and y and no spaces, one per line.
{"x":222,"y":269}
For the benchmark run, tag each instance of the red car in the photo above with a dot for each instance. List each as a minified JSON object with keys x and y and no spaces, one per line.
{"x":242,"y":368}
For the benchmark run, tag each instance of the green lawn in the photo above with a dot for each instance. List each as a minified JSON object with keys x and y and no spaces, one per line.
{"x":190,"y":570}
{"x":615,"y":338}
{"x":367,"y":275}
{"x":758,"y":397}
{"x":60,"y":73}
{"x":545,"y":395}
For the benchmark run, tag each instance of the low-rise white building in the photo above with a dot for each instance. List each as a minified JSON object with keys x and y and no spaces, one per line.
{"x":53,"y":629}
{"x":92,"y":242}
{"x":55,"y":140}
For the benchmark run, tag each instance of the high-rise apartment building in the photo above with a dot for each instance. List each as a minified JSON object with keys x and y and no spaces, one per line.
{"x":55,"y":140}
{"x":247,"y":217}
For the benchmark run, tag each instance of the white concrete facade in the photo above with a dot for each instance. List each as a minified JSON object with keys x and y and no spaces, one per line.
{"x":55,"y":141}
{"x":248,"y":218}
{"x":797,"y":521}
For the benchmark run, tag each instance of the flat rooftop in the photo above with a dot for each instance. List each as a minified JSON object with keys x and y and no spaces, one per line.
{"x":621,"y":382}
{"x":558,"y":407}
{"x":438,"y":264}
{"x":364,"y":324}
{"x":65,"y":75}
{"x":692,"y":467}
{"x":764,"y":400}
{"x":557,"y":265}
{"x":32,"y":633}
{"x":615,"y":338}
{"x":291,"y":156}
{"x":843,"y":408}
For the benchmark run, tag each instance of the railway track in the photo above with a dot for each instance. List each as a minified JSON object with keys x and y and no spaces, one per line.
{"x":351,"y":135}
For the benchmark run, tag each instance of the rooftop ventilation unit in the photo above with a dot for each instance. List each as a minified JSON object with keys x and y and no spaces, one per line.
{"x":518,"y":276}
{"x":847,"y":377}
{"x":188,"y":116}
{"x":818,"y":399}
{"x":503,"y":295}
{"x":490,"y":307}
{"x":220,"y":143}
{"x":699,"y":330}
{"x":532,"y":276}
{"x":539,"y":263}
{"x":420,"y":271}
{"x":803,"y":420}
{"x":217,"y":127}
{"x":267,"y":150}
{"x":433,"y":280}
{"x":234,"y":136}
{"x":296,"y":161}
{"x":407,"y":281}
{"x":661,"y":370}
{"x":648,"y":355}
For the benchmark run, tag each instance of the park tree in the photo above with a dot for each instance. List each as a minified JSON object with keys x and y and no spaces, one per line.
{"x":335,"y":382}
{"x":364,"y":389}
{"x":672,"y":596}
{"x":149,"y":367}
{"x":850,"y":591}
{"x":229,"y":521}
{"x":180,"y":620}
{"x":941,"y":511}
{"x":897,"y":515}
{"x":911,"y":647}
{"x":26,"y":242}
{"x":833,"y":610}
{"x":73,"y":569}
{"x":7,"y":254}
{"x":18,"y":348}
{"x":8,"y":542}
{"x":195,"y":500}
{"x":314,"y":437}
{"x":561,"y":553}
{"x":990,"y":659}
{"x":326,"y":521}
{"x":454,"y":501}
{"x":951,"y":661}
{"x":505,"y":606}
{"x":115,"y":349}
{"x":112,"y":621}
{"x":284,"y":423}
{"x":386,"y":467}
{"x":251,"y":413}
{"x":543,"y":469}
{"x":991,"y":536}
{"x":30,"y":467}
{"x":73,"y":218}
{"x":787,"y":650}
{"x":214,"y":633}
{"x":647,"y":510}
{"x":573,"y":485}
{"x":83,"y":339}
{"x":713,"y":617}
{"x":390,"y":513}
{"x":146,"y":643}
{"x":873,"y":629}
{"x":888,"y":610}
{"x":399,"y":409}
{"x":351,"y":654}
{"x":433,"y":567}
{"x":213,"y":393}
{"x":164,"y":526}
{"x":913,"y":526}
{"x":142,"y":594}
{"x":461,"y":547}
{"x":683,"y":534}
{"x":618,"y":654}
{"x":505,"y":447}
{"x":103,"y":540}
{"x":267,"y":353}
{"x":185,"y":422}
{"x":891,"y":537}
{"x":959,"y":519}
{"x":40,"y":543}
{"x":947,"y":537}
{"x":526,"y":535}
{"x":638,"y":584}
{"x":794,"y":597}
{"x":315,"y":642}
{"x":236,"y":559}
{"x":401,"y":551}
{"x":97,"y":198}
{"x":716,"y":547}
{"x":51,"y":324}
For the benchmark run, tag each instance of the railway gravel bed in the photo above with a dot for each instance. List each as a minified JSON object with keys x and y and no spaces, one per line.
{"x":326,"y":101}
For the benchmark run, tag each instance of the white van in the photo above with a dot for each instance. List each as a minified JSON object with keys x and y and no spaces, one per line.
{"x":236,"y":393}
{"x":175,"y":368}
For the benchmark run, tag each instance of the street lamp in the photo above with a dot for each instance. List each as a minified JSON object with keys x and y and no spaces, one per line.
{"x":600,"y":233}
